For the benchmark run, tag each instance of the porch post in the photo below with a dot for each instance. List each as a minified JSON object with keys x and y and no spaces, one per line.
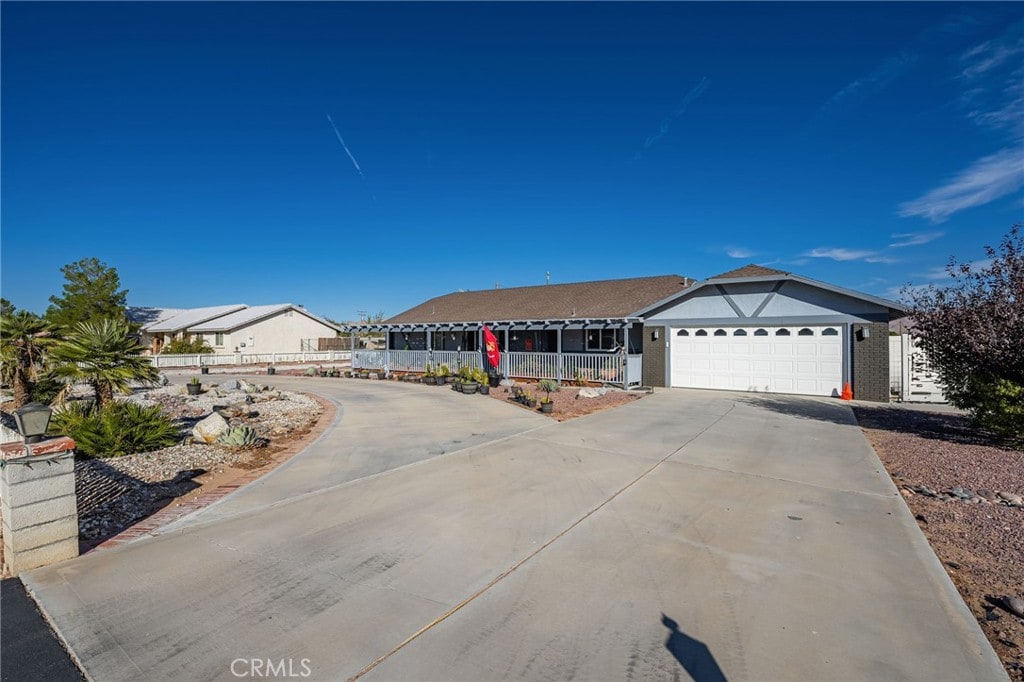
{"x":387,"y":349}
{"x":352,"y":339}
{"x":558,"y":348}
{"x":625,"y":357}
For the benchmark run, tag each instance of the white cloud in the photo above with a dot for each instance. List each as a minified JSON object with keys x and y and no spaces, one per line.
{"x":881,"y":259}
{"x":991,"y":54}
{"x":839,"y":254}
{"x":738,"y":252}
{"x":913,"y":239}
{"x":984,"y":181}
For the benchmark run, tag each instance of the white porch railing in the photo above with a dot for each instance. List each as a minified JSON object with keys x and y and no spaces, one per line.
{"x":212,"y":360}
{"x":601,"y":367}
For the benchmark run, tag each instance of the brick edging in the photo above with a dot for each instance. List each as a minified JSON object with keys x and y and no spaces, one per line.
{"x":169,"y":514}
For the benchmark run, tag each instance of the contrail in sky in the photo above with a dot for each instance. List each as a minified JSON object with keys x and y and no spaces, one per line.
{"x":696,"y":92}
{"x":345,"y":147}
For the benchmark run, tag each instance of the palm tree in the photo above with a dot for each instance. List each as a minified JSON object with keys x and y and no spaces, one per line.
{"x":103,"y":354}
{"x":24,"y":338}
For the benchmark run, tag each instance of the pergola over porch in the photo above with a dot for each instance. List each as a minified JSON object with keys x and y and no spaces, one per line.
{"x":606,"y":350}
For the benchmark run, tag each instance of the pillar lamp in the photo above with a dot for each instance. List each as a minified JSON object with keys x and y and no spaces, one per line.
{"x":32,"y":420}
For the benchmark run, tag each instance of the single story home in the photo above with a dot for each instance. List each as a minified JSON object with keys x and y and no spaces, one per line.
{"x":750,"y":329}
{"x":280,"y":328}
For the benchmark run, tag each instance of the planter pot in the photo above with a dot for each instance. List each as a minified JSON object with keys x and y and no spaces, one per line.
{"x":546,"y":407}
{"x":457,"y":387}
{"x":348,"y":375}
{"x":204,"y":370}
{"x":430,"y":381}
{"x":470,"y":389}
{"x":194,"y":389}
{"x":531,"y":404}
{"x":485,"y":389}
{"x":364,"y":375}
{"x":270,"y":370}
{"x":494,"y":381}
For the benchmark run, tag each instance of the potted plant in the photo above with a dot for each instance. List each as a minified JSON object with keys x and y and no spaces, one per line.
{"x":270,"y":369}
{"x":442,"y":375}
{"x":529,"y":399}
{"x":194,"y":386}
{"x":481,"y":378}
{"x":428,"y":377}
{"x":203,"y":369}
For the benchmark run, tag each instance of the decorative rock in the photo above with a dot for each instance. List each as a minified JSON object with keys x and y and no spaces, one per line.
{"x":209,"y":429}
{"x":1011,"y":499}
{"x":162,"y":380}
{"x":591,"y":392}
{"x":247,"y":387}
{"x":507,"y":383}
{"x":230,"y":385}
{"x":1014,"y":606}
{"x":987,"y":494}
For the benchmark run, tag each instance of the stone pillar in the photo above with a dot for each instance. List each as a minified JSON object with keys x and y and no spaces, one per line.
{"x":38,"y":503}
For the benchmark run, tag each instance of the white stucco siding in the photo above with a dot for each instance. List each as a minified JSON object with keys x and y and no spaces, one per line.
{"x":280,"y":333}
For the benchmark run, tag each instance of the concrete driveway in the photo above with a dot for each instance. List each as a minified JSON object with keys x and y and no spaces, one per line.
{"x":435,"y":536}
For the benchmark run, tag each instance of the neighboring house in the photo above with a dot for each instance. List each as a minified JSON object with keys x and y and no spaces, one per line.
{"x":160,"y":325}
{"x":751,"y":329}
{"x":239,"y":328}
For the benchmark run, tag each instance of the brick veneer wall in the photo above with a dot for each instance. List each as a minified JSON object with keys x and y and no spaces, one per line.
{"x":871,"y":363}
{"x":654,"y":356}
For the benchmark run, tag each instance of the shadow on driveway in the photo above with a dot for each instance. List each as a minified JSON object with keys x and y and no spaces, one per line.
{"x":693,"y":654}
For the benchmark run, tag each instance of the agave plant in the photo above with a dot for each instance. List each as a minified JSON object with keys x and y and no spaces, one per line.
{"x":240,"y":437}
{"x":105,"y":355}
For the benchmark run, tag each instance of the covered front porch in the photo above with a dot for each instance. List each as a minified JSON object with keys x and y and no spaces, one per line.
{"x":606,"y":351}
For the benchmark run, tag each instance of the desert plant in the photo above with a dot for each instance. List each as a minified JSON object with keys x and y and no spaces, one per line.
{"x":115,"y":430}
{"x":310,"y":371}
{"x":24,"y":338}
{"x":241,"y":437}
{"x":579,"y":379}
{"x":103,"y":354}
{"x":194,"y":380}
{"x":443,"y":371}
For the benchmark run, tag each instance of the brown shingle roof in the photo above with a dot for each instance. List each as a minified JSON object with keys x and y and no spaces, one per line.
{"x":751,"y":270}
{"x":602,"y":299}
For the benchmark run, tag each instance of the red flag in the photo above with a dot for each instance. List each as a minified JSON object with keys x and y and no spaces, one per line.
{"x":491,"y":346}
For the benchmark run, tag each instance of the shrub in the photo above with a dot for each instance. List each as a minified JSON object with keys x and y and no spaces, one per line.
{"x":186,"y":346}
{"x":118,"y":429}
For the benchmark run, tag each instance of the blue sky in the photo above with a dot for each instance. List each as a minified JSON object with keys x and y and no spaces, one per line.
{"x":189,"y":145}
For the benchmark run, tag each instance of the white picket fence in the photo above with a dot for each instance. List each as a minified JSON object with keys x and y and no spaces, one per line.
{"x":911,"y":378}
{"x":213,"y":360}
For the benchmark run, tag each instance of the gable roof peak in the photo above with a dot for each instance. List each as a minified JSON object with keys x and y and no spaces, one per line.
{"x":750,"y":270}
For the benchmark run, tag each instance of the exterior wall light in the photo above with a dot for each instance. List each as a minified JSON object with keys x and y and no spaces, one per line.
{"x":32,"y":420}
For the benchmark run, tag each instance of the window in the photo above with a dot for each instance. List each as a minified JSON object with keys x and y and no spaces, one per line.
{"x":604,"y":339}
{"x":721,"y":332}
{"x":805,"y":332}
{"x":701,"y":332}
{"x":829,"y":331}
{"x":761,"y":332}
{"x":781,"y":332}
{"x":740,"y":332}
{"x":682,"y":332}
{"x":218,"y":339}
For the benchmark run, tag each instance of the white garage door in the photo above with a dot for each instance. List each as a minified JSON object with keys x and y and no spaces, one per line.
{"x":806,"y":360}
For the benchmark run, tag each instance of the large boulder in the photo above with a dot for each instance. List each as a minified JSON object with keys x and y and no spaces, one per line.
{"x":209,"y":429}
{"x":229,"y":385}
{"x":591,"y":392}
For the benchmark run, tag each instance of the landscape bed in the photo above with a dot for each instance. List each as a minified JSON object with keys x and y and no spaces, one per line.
{"x":945,"y":470}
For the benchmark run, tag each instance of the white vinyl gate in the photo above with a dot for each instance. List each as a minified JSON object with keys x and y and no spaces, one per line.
{"x":804,"y":360}
{"x":911,"y":378}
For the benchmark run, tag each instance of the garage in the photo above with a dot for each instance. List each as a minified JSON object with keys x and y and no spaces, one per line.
{"x":805,"y":360}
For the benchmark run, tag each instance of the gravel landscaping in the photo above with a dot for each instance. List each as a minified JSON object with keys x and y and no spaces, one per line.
{"x":116,"y":492}
{"x":965,"y":493}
